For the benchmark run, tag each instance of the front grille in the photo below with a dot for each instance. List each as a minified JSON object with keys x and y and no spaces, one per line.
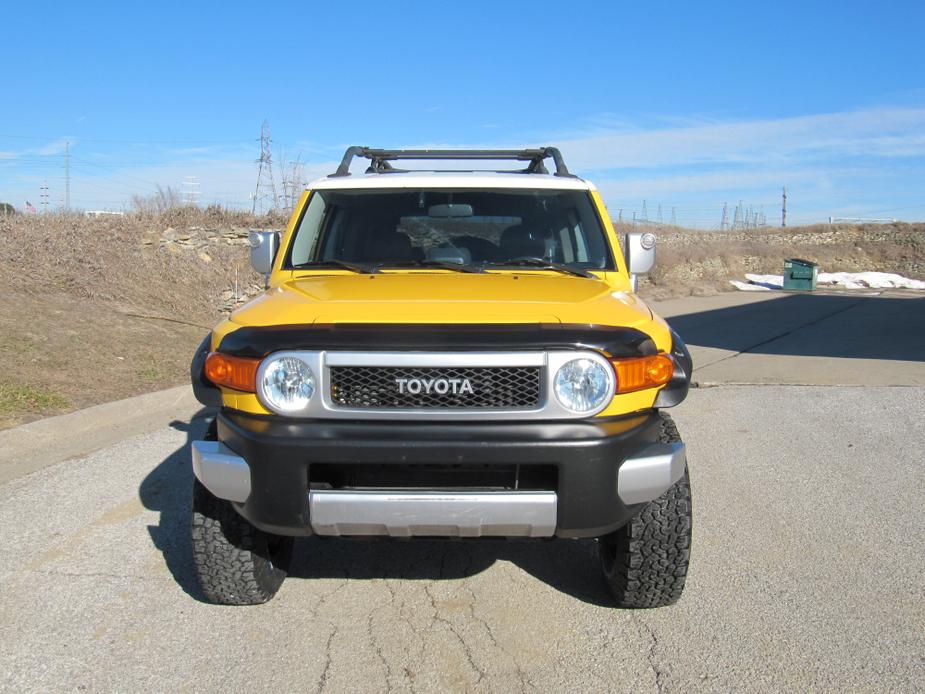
{"x":389,"y":387}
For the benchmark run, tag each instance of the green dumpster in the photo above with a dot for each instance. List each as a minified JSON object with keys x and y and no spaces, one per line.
{"x":800,"y":274}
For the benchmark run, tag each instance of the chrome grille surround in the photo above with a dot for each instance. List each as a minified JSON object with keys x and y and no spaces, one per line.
{"x":545,"y":364}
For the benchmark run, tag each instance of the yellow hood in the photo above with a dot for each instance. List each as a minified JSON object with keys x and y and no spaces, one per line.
{"x":423,"y":297}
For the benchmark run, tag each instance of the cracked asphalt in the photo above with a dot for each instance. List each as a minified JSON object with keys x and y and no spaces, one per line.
{"x":806,"y":574}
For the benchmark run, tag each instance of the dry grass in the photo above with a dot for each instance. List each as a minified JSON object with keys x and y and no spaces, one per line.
{"x":90,"y":313}
{"x":702,"y":263}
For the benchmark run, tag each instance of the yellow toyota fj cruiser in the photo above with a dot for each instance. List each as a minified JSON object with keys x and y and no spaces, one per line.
{"x":444,"y":354}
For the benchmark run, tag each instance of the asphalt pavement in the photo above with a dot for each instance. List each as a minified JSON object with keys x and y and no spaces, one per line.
{"x":806,"y":574}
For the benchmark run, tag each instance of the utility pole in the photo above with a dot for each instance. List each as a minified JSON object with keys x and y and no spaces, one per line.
{"x":620,"y":217}
{"x":44,"y":197}
{"x":674,"y":217}
{"x":725,"y":219}
{"x":660,"y":213}
{"x":265,"y":170}
{"x":67,"y":176}
{"x":783,"y":209}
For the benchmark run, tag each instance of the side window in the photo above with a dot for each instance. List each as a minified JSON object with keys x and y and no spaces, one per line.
{"x":309,"y":228}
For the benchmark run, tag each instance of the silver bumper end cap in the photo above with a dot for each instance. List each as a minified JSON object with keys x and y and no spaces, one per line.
{"x":435,"y":514}
{"x":221,"y":470}
{"x":650,"y":472}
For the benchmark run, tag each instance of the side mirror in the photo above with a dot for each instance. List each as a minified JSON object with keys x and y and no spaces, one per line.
{"x":639,"y":253}
{"x":264,"y":245}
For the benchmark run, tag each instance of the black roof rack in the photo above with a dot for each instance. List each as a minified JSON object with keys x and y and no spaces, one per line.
{"x":380,"y":158}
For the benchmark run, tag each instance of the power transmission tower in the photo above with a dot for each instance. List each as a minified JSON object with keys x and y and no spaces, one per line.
{"x":44,"y":196}
{"x":645,"y":212}
{"x":265,"y":171}
{"x":725,"y":220}
{"x":293,"y":182}
{"x":660,"y":213}
{"x":783,"y":209}
{"x":190,"y":190}
{"x":674,"y":217}
{"x":67,"y":176}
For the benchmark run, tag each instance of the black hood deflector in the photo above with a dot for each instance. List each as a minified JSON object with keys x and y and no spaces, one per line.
{"x":614,"y":341}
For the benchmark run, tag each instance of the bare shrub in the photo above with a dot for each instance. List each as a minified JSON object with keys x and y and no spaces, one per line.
{"x":163,"y":200}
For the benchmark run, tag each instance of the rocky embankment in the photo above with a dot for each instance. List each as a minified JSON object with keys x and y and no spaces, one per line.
{"x":204,"y":242}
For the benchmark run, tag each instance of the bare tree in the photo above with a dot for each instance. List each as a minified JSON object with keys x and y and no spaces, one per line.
{"x":162,"y":200}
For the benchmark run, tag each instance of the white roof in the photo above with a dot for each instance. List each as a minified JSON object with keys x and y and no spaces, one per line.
{"x":451,"y":179}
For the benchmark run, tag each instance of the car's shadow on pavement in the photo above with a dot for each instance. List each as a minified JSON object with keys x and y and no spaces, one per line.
{"x":569,"y":566}
{"x":835,"y":325}
{"x":168,"y":490}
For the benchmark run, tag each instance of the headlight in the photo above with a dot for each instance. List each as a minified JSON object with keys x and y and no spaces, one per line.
{"x":286,"y":384}
{"x":582,"y":384}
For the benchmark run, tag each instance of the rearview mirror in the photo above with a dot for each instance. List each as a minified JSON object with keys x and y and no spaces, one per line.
{"x":450,"y":210}
{"x":639,"y":253}
{"x":264,"y":245}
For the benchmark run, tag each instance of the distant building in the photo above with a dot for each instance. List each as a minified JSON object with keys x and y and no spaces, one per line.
{"x":103,"y":213}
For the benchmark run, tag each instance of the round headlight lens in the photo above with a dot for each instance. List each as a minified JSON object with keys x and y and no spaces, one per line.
{"x":287,"y":384}
{"x":582,"y":384}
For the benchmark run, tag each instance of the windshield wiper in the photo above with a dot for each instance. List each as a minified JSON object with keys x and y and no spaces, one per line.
{"x":340,"y":264}
{"x":441,"y":264}
{"x":540,"y":264}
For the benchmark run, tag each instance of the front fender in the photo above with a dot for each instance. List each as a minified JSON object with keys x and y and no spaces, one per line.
{"x":676,"y":391}
{"x":203,"y":389}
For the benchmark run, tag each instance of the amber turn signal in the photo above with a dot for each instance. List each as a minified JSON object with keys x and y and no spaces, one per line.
{"x":238,"y":373}
{"x":642,"y":372}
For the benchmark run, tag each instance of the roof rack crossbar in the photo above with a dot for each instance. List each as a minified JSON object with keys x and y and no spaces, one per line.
{"x":380,"y":158}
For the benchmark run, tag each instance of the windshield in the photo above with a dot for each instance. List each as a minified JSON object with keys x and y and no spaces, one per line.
{"x":385,"y":228}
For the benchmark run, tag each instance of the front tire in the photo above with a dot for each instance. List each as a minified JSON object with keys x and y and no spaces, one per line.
{"x":645,"y":562}
{"x":236,"y":563}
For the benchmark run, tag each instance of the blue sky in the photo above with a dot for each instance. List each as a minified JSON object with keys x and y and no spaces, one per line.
{"x":687,"y":105}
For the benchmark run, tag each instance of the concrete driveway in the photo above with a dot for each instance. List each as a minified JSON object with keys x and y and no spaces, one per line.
{"x":807,"y":569}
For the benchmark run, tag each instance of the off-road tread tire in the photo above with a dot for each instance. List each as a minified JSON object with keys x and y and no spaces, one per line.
{"x":645,"y":562}
{"x":231,"y":556}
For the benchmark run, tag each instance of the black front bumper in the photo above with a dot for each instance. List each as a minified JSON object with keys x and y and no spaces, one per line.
{"x":586,"y":456}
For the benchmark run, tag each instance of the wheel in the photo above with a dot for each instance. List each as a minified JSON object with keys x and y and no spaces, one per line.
{"x":236,"y":563}
{"x":645,"y":562}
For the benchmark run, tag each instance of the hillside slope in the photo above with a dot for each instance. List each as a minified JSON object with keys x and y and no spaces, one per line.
{"x":703,"y":262}
{"x":99,"y":309}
